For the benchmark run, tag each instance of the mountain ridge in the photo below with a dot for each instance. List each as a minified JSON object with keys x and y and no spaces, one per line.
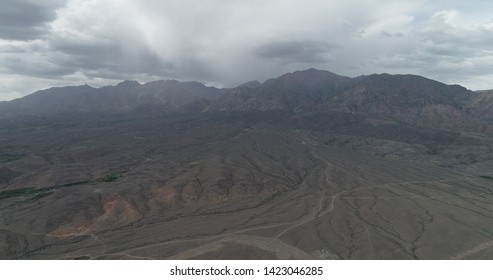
{"x":403,"y":97}
{"x":124,"y":97}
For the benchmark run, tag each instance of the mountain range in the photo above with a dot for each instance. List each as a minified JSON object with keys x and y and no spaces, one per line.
{"x":405,"y":98}
{"x":308,"y":165}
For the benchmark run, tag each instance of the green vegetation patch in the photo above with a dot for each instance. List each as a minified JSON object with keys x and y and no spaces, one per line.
{"x":112,"y":177}
{"x":4,"y":158}
{"x":39,"y":196}
{"x":17,"y":192}
{"x":37,"y":193}
{"x":56,"y":187}
{"x":486,"y":177}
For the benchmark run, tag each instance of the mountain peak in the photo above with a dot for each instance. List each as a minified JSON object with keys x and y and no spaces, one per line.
{"x":252,"y":84}
{"x":128,"y":84}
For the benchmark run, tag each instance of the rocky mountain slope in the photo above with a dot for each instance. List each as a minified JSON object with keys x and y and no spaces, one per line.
{"x":127,"y":96}
{"x":403,"y":98}
{"x":309,"y":165}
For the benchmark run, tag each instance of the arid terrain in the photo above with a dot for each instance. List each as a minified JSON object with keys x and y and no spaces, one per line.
{"x":307,"y":166}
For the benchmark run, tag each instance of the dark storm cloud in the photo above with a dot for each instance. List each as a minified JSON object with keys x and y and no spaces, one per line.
{"x":26,"y":20}
{"x":297,"y":51}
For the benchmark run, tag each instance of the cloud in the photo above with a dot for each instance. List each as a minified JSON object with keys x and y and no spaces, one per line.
{"x":227,"y":42}
{"x":26,"y":20}
{"x":296,"y":51}
{"x":385,"y":34}
{"x":452,"y":46}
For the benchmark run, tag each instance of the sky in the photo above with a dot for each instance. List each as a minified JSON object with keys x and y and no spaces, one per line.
{"x":225,"y":43}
